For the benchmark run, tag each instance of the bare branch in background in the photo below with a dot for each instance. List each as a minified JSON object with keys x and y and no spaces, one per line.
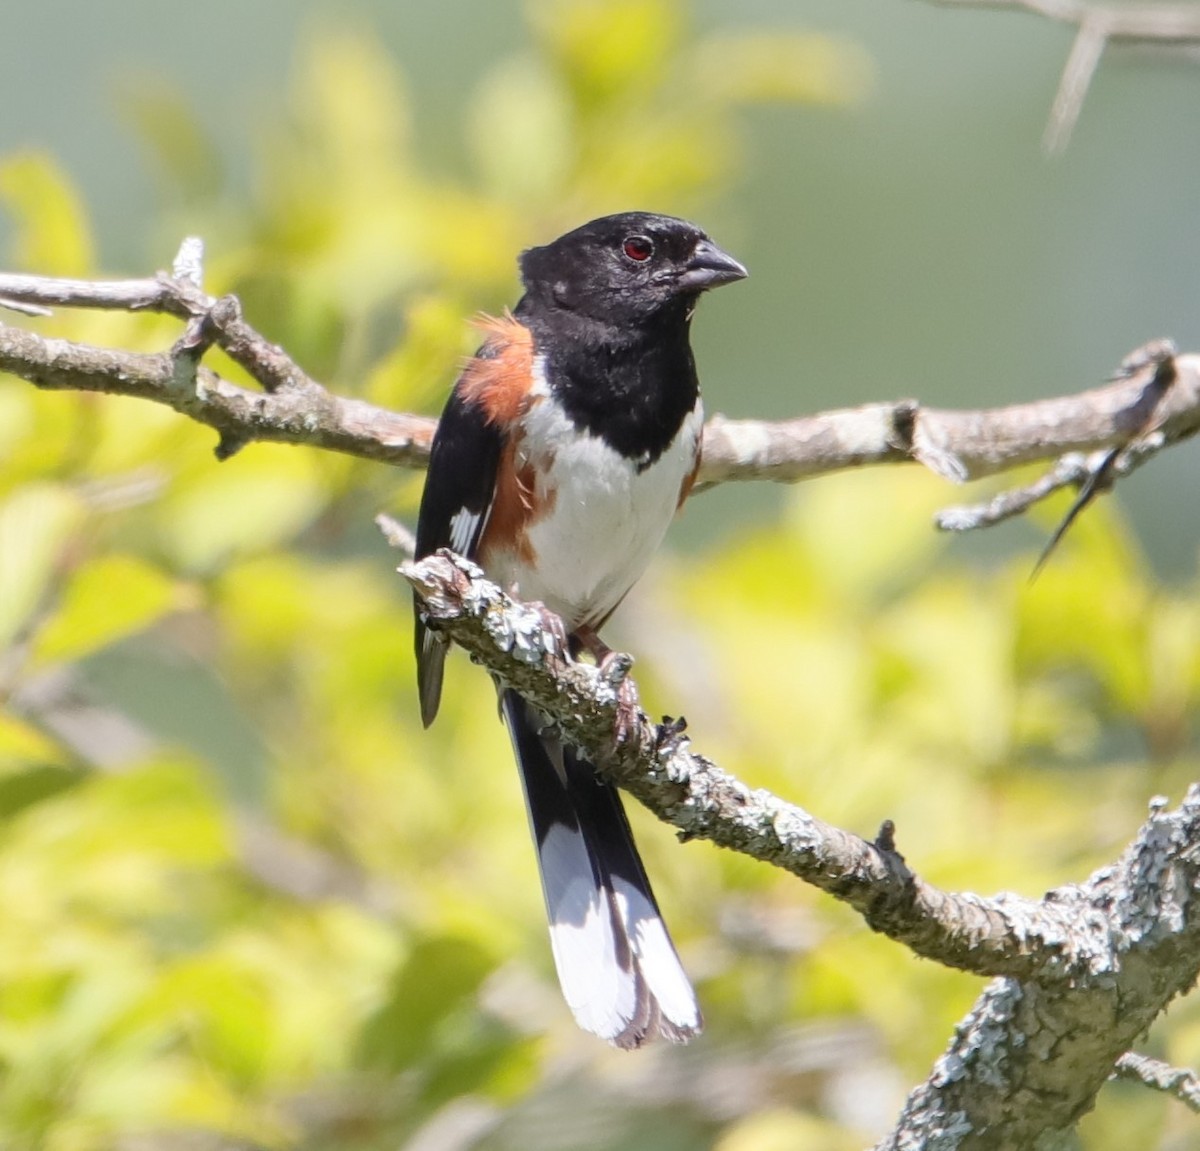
{"x":1092,"y":474}
{"x":1097,"y":26}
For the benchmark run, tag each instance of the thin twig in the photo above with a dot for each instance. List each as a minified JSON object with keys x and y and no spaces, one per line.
{"x":179,"y":294}
{"x":1091,"y":474}
{"x":1073,"y":468}
{"x":24,"y":309}
{"x":1099,"y":478}
{"x":398,"y":535}
{"x":310,"y":416}
{"x":1076,"y":79}
{"x":1181,"y":1082}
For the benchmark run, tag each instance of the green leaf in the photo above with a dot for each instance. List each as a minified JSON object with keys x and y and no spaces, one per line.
{"x":52,"y":234}
{"x":522,"y":130}
{"x":781,"y":1129}
{"x":22,"y":744}
{"x":354,"y":99}
{"x":21,"y":790}
{"x":36,"y":523}
{"x":229,"y":1006}
{"x":106,"y":599}
{"x":142,"y":822}
{"x":608,"y":48}
{"x":246,"y":505}
{"x":17,"y":416}
{"x":415,"y":373}
{"x":866,"y":537}
{"x":440,"y":977}
{"x":176,"y":141}
{"x":774,"y":67}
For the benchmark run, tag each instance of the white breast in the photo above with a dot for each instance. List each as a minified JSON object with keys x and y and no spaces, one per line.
{"x":607,"y":519}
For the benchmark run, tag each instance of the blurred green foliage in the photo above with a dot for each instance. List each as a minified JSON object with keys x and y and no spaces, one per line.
{"x":247,"y":900}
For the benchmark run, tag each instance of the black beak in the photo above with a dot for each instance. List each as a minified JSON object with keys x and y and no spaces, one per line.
{"x":709,"y":267}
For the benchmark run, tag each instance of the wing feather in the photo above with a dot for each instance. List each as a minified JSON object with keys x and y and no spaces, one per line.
{"x":454,"y":508}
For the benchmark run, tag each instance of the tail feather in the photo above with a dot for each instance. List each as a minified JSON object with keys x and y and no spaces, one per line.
{"x":616,"y":963}
{"x":431,"y":651}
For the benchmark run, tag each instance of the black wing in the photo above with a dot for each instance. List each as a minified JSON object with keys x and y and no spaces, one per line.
{"x":454,"y":511}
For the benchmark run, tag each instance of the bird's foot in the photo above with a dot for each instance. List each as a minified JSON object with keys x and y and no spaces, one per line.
{"x":614,"y":669}
{"x":553,"y":627}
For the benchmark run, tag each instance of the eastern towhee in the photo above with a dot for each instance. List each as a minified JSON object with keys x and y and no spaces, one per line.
{"x":567,"y":445}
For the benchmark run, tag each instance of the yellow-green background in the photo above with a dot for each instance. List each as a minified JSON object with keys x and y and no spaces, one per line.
{"x":245,"y":900}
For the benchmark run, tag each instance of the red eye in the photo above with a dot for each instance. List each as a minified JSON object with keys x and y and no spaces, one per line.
{"x":639,"y":248}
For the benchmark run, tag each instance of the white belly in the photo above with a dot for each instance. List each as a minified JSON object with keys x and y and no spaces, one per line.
{"x":607,"y":519}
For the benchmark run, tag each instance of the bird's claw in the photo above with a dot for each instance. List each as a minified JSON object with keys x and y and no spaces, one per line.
{"x":553,"y":627}
{"x":614,"y":670}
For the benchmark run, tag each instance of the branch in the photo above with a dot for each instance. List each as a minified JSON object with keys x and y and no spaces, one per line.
{"x":1179,"y":1082}
{"x":703,"y":802}
{"x":1089,"y":474}
{"x":1029,"y":1059}
{"x":293,"y":408}
{"x":1171,"y":24}
{"x":692,"y":793}
{"x":1083,"y":971}
{"x":1098,"y":25}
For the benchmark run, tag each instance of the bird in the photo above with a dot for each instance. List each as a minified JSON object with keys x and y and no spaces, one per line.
{"x":568,"y":443}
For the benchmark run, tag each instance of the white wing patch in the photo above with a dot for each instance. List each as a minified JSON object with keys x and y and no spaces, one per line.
{"x":463,"y":527}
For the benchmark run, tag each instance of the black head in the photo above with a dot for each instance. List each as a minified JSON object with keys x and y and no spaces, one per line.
{"x":627,"y":269}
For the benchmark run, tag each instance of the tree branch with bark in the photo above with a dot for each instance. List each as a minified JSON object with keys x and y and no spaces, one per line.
{"x":1078,"y":974}
{"x":1152,"y":402}
{"x":1081,"y":973}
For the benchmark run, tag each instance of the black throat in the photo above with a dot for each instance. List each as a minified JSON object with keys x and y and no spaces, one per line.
{"x":630,"y":385}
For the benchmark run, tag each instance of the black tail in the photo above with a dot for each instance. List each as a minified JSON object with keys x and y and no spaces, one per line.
{"x":616,"y":963}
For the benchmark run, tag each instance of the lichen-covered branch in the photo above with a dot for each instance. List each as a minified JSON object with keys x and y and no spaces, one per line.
{"x":1026,"y":1064}
{"x":293,"y":408}
{"x":657,"y":766}
{"x":1084,"y":970}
